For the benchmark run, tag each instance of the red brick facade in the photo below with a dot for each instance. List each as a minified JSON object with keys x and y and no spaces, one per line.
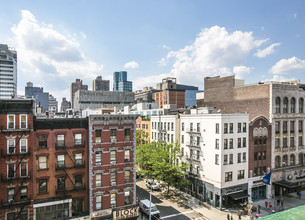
{"x":170,"y":97}
{"x":16,"y":167}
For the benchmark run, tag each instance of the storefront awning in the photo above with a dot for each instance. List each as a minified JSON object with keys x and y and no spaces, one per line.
{"x":239,"y":195}
{"x":286,"y":184}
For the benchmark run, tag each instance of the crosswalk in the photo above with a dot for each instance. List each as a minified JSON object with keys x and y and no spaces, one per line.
{"x":185,"y":213}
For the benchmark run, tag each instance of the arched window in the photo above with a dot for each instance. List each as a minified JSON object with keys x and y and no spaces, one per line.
{"x":285,"y":105}
{"x":285,"y":160}
{"x":277,"y":161}
{"x":301,"y":158}
{"x":292,"y":160}
{"x":278,"y":105}
{"x":292,"y":105}
{"x":301,"y":105}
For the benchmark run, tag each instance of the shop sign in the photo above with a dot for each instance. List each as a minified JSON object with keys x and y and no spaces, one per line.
{"x":101,"y":213}
{"x":231,"y":190}
{"x":300,"y":174}
{"x":126,"y":213}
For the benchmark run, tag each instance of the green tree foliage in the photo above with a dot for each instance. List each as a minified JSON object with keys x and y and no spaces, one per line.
{"x":141,"y":137}
{"x":159,"y":160}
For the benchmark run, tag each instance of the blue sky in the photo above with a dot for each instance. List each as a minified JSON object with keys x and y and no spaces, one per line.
{"x":58,"y":41}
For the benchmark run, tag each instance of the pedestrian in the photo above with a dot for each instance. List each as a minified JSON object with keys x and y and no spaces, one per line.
{"x":300,"y":194}
{"x":231,"y":217}
{"x":239,"y":215}
{"x":270,"y":205}
{"x":266,"y":204}
{"x":228,"y":216}
{"x":259,"y":209}
{"x":282,"y":202}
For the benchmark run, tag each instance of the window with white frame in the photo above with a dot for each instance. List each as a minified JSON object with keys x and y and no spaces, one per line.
{"x":11,"y":122}
{"x":241,"y":174}
{"x":98,"y":202}
{"x":24,"y":193}
{"x":42,"y":162}
{"x":79,"y":159}
{"x":23,"y":121}
{"x":10,"y":194}
{"x":11,"y":170}
{"x":127,"y":197}
{"x":10,"y":146}
{"x":78,"y":138}
{"x":98,"y":158}
{"x":98,"y":180}
{"x":23,"y":169}
{"x":127,"y":176}
{"x":61,"y":160}
{"x":98,"y":136}
{"x":113,"y":199}
{"x":127,"y":155}
{"x":113,"y":177}
{"x":60,"y":140}
{"x":113,"y":156}
{"x":23,"y":145}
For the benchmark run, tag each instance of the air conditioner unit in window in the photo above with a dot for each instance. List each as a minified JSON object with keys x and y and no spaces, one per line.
{"x":112,"y":162}
{"x":113,"y":183}
{"x":113,"y":140}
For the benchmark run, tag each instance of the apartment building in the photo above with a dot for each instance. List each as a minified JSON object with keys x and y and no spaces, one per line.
{"x":143,"y":125}
{"x":282,"y":104}
{"x":16,"y":159}
{"x":216,"y":147}
{"x":61,"y":168}
{"x":112,"y":183}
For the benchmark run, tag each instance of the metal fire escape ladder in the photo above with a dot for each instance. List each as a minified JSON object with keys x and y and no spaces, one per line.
{"x":74,"y":162}
{"x":69,"y":178}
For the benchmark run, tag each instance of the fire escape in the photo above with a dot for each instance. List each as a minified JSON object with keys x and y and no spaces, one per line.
{"x":61,"y":167}
{"x":23,"y":199}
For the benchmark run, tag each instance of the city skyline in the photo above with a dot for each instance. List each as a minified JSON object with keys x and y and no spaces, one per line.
{"x":256,"y":41}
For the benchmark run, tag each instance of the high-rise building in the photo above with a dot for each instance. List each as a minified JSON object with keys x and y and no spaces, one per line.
{"x":65,"y":104}
{"x":100,"y":85}
{"x":120,"y":82}
{"x":8,"y":72}
{"x":41,"y":98}
{"x":53,"y":104}
{"x":75,"y":86}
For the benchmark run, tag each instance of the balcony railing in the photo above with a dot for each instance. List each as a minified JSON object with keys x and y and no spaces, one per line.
{"x":79,"y":144}
{"x":193,"y":144}
{"x":192,"y":131}
{"x":285,"y":149}
{"x":292,"y":148}
{"x":277,"y":149}
{"x":60,"y":146}
{"x":301,"y":147}
{"x":4,"y":154}
{"x":24,"y":201}
{"x":4,"y":178}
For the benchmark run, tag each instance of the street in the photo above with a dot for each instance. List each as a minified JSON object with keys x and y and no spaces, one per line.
{"x":168,"y":209}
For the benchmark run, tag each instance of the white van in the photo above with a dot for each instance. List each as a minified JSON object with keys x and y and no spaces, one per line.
{"x":144,"y":206}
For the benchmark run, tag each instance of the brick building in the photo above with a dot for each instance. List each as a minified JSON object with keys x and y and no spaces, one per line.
{"x":16,"y":167}
{"x":112,"y":185}
{"x":170,"y":96}
{"x":61,"y":168}
{"x":143,"y":125}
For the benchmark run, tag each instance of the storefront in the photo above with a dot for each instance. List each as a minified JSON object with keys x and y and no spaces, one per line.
{"x":126,"y":213}
{"x":233,"y":196}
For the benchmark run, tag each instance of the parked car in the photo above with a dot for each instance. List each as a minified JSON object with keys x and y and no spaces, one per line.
{"x":144,"y":207}
{"x":151,"y":184}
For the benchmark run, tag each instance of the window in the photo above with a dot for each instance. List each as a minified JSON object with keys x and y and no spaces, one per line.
{"x":61,"y":161}
{"x":217,"y":128}
{"x":217,"y":159}
{"x":113,"y":199}
{"x":231,"y":143}
{"x":11,"y":122}
{"x":182,"y":151}
{"x":98,"y":158}
{"x":228,"y":176}
{"x":278,"y":105}
{"x":43,"y":186}
{"x":98,"y":202}
{"x":292,"y":142}
{"x":244,"y":142}
{"x":301,"y":158}
{"x":127,"y":134}
{"x":244,"y":157}
{"x":264,"y":155}
{"x":78,"y":180}
{"x":113,"y":135}
{"x":127,"y":197}
{"x":172,"y":137}
{"x":98,"y":180}
{"x":241,"y":174}
{"x":239,"y":158}
{"x":216,"y":143}
{"x":42,"y":141}
{"x":23,"y":169}
{"x":277,"y":127}
{"x":244,"y":127}
{"x":225,"y":159}
{"x":98,"y":136}
{"x":10,"y":194}
{"x":24,"y":193}
{"x":172,"y":124}
{"x":198,"y":141}
{"x":168,"y":126}
{"x":198,"y":155}
{"x":300,"y":126}
{"x":23,"y":121}
{"x":113,"y":156}
{"x":127,"y":176}
{"x":42,"y":162}
{"x":11,"y":216}
{"x":23,"y":145}
{"x":292,"y":160}
{"x":79,"y":205}
{"x":259,"y":155}
{"x":277,"y":161}
{"x":285,"y":127}
{"x":239,"y":128}
{"x":143,"y":126}
{"x":239,"y":142}
{"x":231,"y":158}
{"x":79,"y":159}
{"x":60,"y":140}
{"x":292,"y":105}
{"x":127,"y":155}
{"x":225,"y":143}
{"x":255,"y":156}
{"x":225,"y":128}
{"x":277,"y":143}
{"x":61,"y":183}
{"x":285,"y":161}
{"x":291,"y":126}
{"x":300,"y":140}
{"x":78,"y":138}
{"x":285,"y":142}
{"x":182,"y":126}
{"x":285,"y":105}
{"x":182,"y":139}
{"x":231,"y":127}
{"x":301,"y":105}
{"x":11,"y":170}
{"x":11,"y":146}
{"x":113,"y":177}
{"x":198,"y":127}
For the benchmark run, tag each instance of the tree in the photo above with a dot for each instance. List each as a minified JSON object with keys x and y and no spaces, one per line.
{"x":141,"y":137}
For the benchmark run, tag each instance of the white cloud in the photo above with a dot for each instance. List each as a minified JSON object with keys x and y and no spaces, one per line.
{"x":166,"y":47}
{"x":267,"y":51}
{"x":131,"y":65}
{"x":45,"y":55}
{"x":151,"y":80}
{"x":291,"y":65}
{"x":215,"y":51}
{"x":279,"y":78}
{"x":295,"y":15}
{"x":83,"y":35}
{"x":241,"y":71}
